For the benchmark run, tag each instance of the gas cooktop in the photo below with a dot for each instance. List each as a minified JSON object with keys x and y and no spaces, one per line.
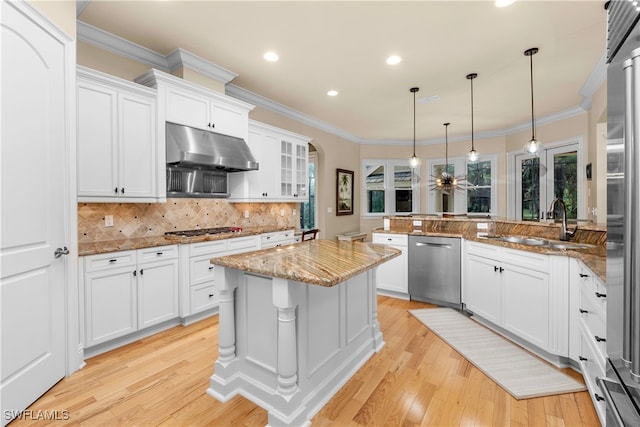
{"x":203,"y":231}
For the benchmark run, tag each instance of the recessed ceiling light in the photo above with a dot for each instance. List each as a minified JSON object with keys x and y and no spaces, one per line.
{"x":504,"y":3}
{"x":393,"y":60}
{"x":271,"y":56}
{"x":332,"y":92}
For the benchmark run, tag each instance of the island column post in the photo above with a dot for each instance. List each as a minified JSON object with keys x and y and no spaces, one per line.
{"x":226,"y":284}
{"x":287,"y":340}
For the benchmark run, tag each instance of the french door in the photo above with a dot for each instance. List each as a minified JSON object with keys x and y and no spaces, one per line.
{"x":537,"y":180}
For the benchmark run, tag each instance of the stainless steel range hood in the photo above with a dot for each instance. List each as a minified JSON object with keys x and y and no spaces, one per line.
{"x":196,"y":148}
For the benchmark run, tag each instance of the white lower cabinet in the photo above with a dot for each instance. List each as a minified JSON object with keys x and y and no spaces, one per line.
{"x":514,"y":290}
{"x":128,"y":291}
{"x":393,"y":275}
{"x":199,"y":287}
{"x":157,"y":285}
{"x":110,"y":303}
{"x":589,"y":329}
{"x":483,"y":288}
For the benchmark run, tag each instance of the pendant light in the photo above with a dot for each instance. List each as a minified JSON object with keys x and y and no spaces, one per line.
{"x":446,"y":181}
{"x":472,"y":155}
{"x":533,"y":146}
{"x":414,"y":161}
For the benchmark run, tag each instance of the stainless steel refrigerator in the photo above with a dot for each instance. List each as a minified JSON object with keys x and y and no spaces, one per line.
{"x":621,"y":387}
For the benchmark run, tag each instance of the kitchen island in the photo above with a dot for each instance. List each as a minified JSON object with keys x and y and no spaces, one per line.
{"x":296,"y":322}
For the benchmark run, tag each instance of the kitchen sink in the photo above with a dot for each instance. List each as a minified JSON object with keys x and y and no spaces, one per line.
{"x":530,"y":241}
{"x":534,"y":241}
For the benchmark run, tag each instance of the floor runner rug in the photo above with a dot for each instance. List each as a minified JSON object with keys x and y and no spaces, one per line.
{"x":514,"y":369}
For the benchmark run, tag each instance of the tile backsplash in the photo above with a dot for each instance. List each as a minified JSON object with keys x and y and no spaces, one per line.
{"x":132,"y":220}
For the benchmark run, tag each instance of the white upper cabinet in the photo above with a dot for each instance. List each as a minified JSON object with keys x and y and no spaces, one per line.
{"x":117,"y":144}
{"x":189,"y":104}
{"x":283,"y":167}
{"x":205,"y":112}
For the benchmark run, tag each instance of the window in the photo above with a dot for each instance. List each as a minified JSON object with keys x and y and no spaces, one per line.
{"x":474,"y":192}
{"x":479,"y":187}
{"x":309,"y":210}
{"x":389,"y":187}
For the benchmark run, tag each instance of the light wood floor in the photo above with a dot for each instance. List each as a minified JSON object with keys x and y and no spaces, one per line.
{"x":416,"y":379}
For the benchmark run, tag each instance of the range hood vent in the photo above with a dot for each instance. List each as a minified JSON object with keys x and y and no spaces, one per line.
{"x":196,"y":148}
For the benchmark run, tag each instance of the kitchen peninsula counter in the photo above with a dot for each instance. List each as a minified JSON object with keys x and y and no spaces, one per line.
{"x":467,"y":228}
{"x":296,"y":322}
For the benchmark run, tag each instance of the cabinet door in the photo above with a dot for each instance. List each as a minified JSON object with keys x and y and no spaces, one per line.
{"x":188,"y":109}
{"x":483,"y":288}
{"x":302,"y":171}
{"x":392,"y":275}
{"x":111,"y":304}
{"x":228,"y":120}
{"x":525,"y":302}
{"x":137,"y":146}
{"x":262,"y":183}
{"x":97,"y":141}
{"x":286,"y":169}
{"x":157,"y":292}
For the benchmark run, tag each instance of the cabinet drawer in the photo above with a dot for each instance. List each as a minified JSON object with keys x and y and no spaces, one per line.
{"x":201,"y":270}
{"x":207,"y":248}
{"x":157,"y":253}
{"x":594,"y":365}
{"x":110,"y":260}
{"x":530,"y":260}
{"x":277,"y":238}
{"x":391,"y":239}
{"x":484,"y":250}
{"x":203,"y":297}
{"x":243,"y":244}
{"x":593,"y":319}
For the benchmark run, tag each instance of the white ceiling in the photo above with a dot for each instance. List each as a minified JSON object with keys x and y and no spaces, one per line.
{"x":343,"y":45}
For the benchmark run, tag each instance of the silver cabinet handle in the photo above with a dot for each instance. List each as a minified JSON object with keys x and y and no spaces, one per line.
{"x":60,"y":251}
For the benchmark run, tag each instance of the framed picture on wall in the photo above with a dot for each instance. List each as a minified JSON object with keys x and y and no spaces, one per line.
{"x":344,"y":192}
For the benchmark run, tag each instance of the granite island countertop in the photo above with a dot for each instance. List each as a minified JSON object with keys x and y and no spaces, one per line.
{"x":106,"y":246}
{"x":318,"y":262}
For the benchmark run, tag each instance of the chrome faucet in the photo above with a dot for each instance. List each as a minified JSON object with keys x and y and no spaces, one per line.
{"x":565,"y":233}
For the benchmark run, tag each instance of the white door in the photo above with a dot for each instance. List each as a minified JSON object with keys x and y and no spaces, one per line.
{"x":557,"y":172}
{"x":32,"y":282}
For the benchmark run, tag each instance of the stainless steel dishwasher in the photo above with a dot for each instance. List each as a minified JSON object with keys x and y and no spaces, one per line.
{"x":434,"y":270}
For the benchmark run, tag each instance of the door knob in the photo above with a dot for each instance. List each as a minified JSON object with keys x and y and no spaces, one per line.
{"x":60,"y":251}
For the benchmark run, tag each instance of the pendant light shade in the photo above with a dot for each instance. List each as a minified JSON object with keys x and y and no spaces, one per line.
{"x":533,"y":146}
{"x":472,"y":155}
{"x":414,"y":161}
{"x":447,"y":182}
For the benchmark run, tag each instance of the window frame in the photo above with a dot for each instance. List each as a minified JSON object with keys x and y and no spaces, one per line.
{"x":460,"y":207}
{"x":389,"y":187}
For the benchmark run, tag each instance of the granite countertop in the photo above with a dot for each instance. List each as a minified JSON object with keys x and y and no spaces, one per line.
{"x":595,"y":259}
{"x":106,"y":246}
{"x":582,"y":224}
{"x":317,"y":262}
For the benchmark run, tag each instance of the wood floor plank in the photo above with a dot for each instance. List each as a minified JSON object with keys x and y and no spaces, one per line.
{"x":416,"y":379}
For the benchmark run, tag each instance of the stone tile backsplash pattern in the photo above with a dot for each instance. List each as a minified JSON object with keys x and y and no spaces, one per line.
{"x":131,"y":220}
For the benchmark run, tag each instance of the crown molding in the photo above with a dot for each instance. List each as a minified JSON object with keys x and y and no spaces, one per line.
{"x":268,"y":104}
{"x":123,"y":47}
{"x":171,"y":62}
{"x":180,"y":57}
